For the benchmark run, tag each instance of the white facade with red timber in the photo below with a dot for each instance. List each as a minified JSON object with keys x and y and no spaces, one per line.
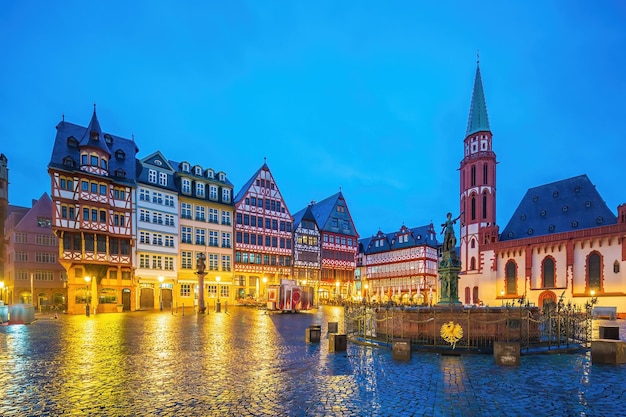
{"x":263,"y":236}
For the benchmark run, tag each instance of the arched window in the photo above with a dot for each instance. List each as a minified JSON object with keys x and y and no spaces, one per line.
{"x":473,"y":207}
{"x":467,"y":296}
{"x":547,"y":270}
{"x":616,"y":267}
{"x":473,"y":264}
{"x":473,"y":175}
{"x":594,"y":272}
{"x":511,"y":277}
{"x":473,"y":243}
{"x":475,"y":298}
{"x":485,"y":170}
{"x":485,"y":205}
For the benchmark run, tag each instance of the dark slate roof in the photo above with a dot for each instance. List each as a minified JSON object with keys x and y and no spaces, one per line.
{"x":325,"y":210}
{"x":244,"y":188}
{"x":418,"y":236}
{"x":61,"y":150}
{"x":303,"y":214}
{"x":478,"y":120}
{"x":562,"y":206}
{"x":153,"y":160}
{"x":93,"y":135}
{"x":177,"y":168}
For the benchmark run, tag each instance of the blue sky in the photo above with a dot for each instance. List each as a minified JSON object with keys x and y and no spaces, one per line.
{"x":370,"y":97}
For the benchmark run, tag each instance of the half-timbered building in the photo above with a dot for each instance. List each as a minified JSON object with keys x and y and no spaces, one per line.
{"x":339,"y":247}
{"x":93,"y":179}
{"x":32,"y":273}
{"x":401,"y":266}
{"x":307,"y":248}
{"x":205,"y":199}
{"x":156,"y":261}
{"x":263,"y":235}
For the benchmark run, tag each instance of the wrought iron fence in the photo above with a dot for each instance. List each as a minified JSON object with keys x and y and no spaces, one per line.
{"x":556,"y":327}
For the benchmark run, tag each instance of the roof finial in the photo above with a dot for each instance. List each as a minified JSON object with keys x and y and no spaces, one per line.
{"x":265,"y":159}
{"x":94,"y":107}
{"x":132,"y":135}
{"x":63,"y":117}
{"x":478,"y":57}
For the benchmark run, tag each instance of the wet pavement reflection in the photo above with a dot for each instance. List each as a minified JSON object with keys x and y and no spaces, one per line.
{"x":250,"y":363}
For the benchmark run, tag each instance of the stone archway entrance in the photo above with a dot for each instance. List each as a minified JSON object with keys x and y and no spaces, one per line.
{"x":546,"y":297}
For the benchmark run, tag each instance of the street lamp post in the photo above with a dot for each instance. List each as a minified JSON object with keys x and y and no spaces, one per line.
{"x":264,"y":295}
{"x":218,"y":306}
{"x":87,"y":297}
{"x":160,"y":291}
{"x":2,"y":292}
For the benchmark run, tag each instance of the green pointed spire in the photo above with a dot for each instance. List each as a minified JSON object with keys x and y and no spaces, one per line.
{"x":478,"y":120}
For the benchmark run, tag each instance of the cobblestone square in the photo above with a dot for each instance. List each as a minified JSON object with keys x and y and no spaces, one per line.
{"x":249,"y":363}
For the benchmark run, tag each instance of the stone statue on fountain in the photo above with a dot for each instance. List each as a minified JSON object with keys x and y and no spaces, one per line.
{"x":450,"y":265}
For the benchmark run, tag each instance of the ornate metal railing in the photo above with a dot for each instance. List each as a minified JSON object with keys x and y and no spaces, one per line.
{"x":556,"y":327}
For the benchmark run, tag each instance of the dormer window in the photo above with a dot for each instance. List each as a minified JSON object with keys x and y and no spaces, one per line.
{"x":185,"y":167}
{"x":72,"y":142}
{"x":94,"y":136}
{"x":198,"y":170}
{"x":222,"y":177}
{"x":108,"y":139}
{"x":210,"y":173}
{"x":119,"y":154}
{"x":68,"y":161}
{"x":120,"y":173}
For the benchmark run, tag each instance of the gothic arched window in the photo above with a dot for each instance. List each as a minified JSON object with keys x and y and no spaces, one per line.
{"x":547,"y":269}
{"x":511,"y":277}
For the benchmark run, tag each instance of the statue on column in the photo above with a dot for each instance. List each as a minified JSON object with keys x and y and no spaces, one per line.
{"x":450,"y":265}
{"x":449,"y":239}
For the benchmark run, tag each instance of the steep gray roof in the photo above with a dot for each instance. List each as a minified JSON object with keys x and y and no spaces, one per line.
{"x":69,"y":141}
{"x":563,"y":206}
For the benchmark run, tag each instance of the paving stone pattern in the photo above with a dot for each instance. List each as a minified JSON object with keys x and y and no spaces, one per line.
{"x":250,"y":363}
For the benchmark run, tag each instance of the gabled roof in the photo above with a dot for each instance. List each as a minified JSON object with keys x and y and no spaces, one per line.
{"x":562,"y":206}
{"x":325,"y":210}
{"x":158,"y":162}
{"x":244,"y":188}
{"x":304,"y":214}
{"x":63,"y":150}
{"x":418,"y":236}
{"x":478,"y":120}
{"x":41,"y":207}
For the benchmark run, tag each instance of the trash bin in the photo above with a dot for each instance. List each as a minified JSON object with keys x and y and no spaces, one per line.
{"x":333,"y":327}
{"x":313,"y":334}
{"x":338,"y":343}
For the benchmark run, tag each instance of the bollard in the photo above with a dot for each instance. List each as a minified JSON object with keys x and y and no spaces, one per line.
{"x":608,"y":351}
{"x":506,"y":353}
{"x":609,"y":332}
{"x":401,"y":349}
{"x":338,"y":343}
{"x":333,"y":327}
{"x":313,"y":334}
{"x":183,"y":309}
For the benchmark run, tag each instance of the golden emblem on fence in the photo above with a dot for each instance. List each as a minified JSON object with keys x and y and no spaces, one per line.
{"x":451,"y":332}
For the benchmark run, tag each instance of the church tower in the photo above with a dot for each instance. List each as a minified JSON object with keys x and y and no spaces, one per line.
{"x":478,"y":184}
{"x":4,"y":206}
